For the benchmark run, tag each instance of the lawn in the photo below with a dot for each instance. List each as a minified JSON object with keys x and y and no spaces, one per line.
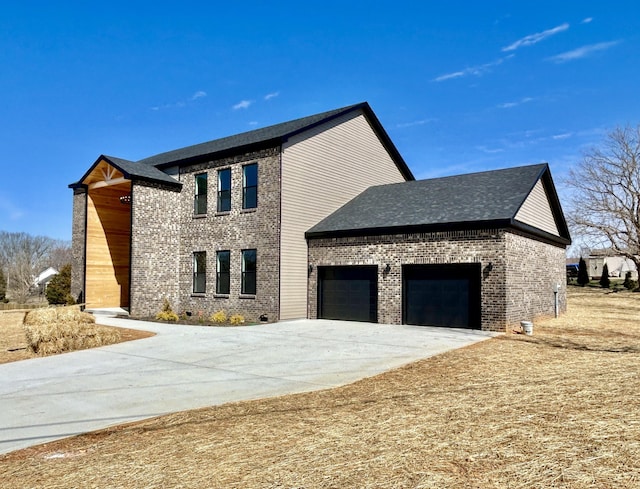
{"x":557,"y":409}
{"x":13,"y":342}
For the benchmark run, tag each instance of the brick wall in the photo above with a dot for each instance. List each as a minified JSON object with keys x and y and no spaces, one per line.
{"x":235,"y":231}
{"x":78,"y":227}
{"x":155,"y":240}
{"x":498,"y":288}
{"x":533,"y":271}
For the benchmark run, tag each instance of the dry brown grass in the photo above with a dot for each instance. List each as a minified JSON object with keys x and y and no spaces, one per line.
{"x":61,"y":329}
{"x":51,"y":331}
{"x":557,"y":409}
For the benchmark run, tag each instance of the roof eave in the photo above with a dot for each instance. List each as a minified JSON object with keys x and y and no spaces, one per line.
{"x":410,"y":229}
{"x":530,"y":231}
{"x":128,"y":175}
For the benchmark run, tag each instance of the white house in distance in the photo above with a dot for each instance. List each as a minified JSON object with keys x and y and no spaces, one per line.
{"x":43,"y":278}
{"x":618,"y":265}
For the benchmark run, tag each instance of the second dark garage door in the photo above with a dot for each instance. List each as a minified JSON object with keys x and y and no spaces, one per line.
{"x":348,"y":293}
{"x":441,"y":295}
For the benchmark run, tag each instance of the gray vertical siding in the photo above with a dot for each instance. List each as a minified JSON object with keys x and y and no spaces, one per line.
{"x":536,"y":211}
{"x":322,"y":169}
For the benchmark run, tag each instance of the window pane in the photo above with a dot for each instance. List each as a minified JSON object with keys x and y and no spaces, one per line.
{"x":223,"y":275}
{"x":250,"y":175}
{"x":250,"y":186}
{"x":248,"y":272}
{"x":200,"y":199}
{"x":224,"y":200}
{"x":200,"y":204}
{"x":201,"y":184}
{"x":199,"y":272}
{"x":249,"y":283}
{"x":224,"y":179}
{"x":224,"y":190}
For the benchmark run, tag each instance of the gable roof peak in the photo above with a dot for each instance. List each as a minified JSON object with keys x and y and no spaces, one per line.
{"x":272,"y":135}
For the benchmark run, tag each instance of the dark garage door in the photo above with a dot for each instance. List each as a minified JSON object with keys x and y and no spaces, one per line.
{"x":348,"y":293}
{"x":441,"y":295}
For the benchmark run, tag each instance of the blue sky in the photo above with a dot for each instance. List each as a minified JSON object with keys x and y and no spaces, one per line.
{"x":459,"y":86}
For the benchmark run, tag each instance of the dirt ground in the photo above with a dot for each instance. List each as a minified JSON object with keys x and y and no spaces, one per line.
{"x":557,"y":409}
{"x":13,"y":343}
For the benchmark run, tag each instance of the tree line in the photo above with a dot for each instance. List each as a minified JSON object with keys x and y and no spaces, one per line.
{"x":24,"y":256}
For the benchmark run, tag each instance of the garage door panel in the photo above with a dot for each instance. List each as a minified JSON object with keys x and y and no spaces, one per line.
{"x":442,"y":295}
{"x":348,"y":293}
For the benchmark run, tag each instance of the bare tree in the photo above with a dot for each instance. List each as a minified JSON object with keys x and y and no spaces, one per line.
{"x":23,"y":256}
{"x":60,"y":255}
{"x":606,"y":198}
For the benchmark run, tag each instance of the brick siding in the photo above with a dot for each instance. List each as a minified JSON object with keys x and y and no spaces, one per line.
{"x":507,"y":296}
{"x":78,"y":229}
{"x":166,"y":233}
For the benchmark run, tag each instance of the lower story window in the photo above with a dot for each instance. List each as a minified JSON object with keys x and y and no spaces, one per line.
{"x":248,"y":272}
{"x":199,"y":272}
{"x":223,"y":272}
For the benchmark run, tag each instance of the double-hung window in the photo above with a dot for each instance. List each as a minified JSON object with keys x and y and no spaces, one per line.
{"x":223,"y":269}
{"x":224,"y":190}
{"x":250,"y":186}
{"x":200,"y":199}
{"x":199,"y":272}
{"x":248,"y":272}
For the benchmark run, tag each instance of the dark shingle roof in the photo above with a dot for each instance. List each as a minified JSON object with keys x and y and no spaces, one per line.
{"x":465,"y":201}
{"x":275,"y":134}
{"x":144,"y":172}
{"x":132,"y":171}
{"x":150,"y":168}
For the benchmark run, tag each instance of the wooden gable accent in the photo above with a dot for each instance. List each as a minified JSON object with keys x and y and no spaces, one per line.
{"x":108,"y":237}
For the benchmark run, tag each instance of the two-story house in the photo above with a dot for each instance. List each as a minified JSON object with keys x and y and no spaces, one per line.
{"x":220,"y":225}
{"x":317,"y":217}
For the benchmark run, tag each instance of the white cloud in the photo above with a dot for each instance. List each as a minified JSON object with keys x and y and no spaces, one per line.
{"x":478,"y":70}
{"x":565,"y":135}
{"x":587,"y":20}
{"x":532,"y":39}
{"x":490,"y":151}
{"x":271,"y":95}
{"x":582,"y":52}
{"x":509,"y":105}
{"x":181,"y":103}
{"x":199,"y":94}
{"x":414,"y":123}
{"x":243,"y":104}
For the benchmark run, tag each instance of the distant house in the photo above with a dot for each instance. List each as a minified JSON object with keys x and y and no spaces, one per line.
{"x":618,"y":265}
{"x":43,"y":278}
{"x":318,"y":217}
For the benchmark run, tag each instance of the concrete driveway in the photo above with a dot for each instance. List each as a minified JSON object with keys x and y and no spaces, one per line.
{"x":187,"y":367}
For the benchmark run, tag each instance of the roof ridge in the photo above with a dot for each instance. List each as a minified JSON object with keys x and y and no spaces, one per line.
{"x":255,"y":136}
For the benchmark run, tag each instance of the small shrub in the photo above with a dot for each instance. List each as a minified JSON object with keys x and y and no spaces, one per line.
{"x":605,"y":283}
{"x":629,"y":283}
{"x":166,"y":313}
{"x":583,"y":274}
{"x":219,"y":317}
{"x":58,"y":290}
{"x":3,"y":287}
{"x":236,"y":319}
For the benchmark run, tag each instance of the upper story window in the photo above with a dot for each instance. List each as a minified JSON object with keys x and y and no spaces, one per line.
{"x":199,"y":272}
{"x":250,"y":186}
{"x":248,"y":272}
{"x":223,"y":268}
{"x":224,"y":190}
{"x":200,"y":199}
